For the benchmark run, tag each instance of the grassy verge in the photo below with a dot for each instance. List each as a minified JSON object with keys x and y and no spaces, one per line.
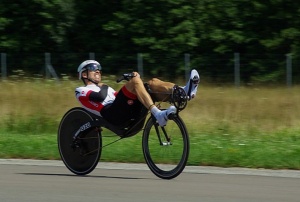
{"x":276,"y":151}
{"x":246,"y":127}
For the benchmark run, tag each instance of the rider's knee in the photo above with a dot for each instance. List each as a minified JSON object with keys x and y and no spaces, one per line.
{"x":136,"y":79}
{"x":134,"y":82}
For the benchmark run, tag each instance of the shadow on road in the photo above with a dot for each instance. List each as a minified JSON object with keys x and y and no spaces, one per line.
{"x":92,"y":176}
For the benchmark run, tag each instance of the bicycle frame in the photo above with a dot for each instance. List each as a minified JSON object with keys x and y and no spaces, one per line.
{"x":134,"y":127}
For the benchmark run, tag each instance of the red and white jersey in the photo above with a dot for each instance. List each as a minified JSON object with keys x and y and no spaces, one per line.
{"x":93,"y":98}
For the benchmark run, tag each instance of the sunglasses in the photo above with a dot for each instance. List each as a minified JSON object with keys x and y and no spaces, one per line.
{"x":93,"y":67}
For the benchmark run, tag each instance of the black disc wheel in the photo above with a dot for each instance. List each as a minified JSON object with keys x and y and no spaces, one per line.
{"x":80,"y":155}
{"x":166,"y":149}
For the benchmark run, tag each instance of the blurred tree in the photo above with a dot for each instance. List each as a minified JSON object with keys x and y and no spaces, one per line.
{"x":35,"y":25}
{"x":157,"y":28}
{"x":262,"y":32}
{"x":30,"y":28}
{"x":88,"y":35}
{"x":163,"y":30}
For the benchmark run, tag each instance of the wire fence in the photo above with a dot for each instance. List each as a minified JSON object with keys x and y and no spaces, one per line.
{"x":235,"y":69}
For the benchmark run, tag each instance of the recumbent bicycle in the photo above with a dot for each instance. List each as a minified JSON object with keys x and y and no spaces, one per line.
{"x":165,"y":149}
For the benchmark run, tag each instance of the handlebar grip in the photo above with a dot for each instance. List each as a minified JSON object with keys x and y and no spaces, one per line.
{"x":126,"y":77}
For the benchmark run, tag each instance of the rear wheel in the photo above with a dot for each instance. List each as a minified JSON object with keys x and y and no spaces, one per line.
{"x":80,"y":155}
{"x":166,"y":149}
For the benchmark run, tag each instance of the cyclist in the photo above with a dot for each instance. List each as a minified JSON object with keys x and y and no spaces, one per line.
{"x":118,"y":107}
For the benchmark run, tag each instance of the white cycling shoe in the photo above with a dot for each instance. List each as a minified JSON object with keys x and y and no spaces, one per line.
{"x":192,"y":85}
{"x":163,"y":116}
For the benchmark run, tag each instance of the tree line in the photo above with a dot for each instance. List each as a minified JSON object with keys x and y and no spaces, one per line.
{"x":211,"y":31}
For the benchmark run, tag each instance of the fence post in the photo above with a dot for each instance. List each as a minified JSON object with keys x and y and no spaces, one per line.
{"x":140,"y":64}
{"x":47,"y":63}
{"x":3,"y":66}
{"x":92,"y":56}
{"x":237,"y":79}
{"x":187,"y":66}
{"x":48,"y":67}
{"x":289,"y":70}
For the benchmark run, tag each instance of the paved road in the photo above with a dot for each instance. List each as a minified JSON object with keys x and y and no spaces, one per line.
{"x":37,"y":181}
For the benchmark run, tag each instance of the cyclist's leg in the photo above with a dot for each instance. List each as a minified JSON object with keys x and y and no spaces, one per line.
{"x":136,"y":87}
{"x":161,"y":89}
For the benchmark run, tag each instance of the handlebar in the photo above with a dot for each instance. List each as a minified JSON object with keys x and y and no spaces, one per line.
{"x":126,"y":76}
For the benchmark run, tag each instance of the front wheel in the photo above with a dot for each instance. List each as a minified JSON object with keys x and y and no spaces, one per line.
{"x":80,"y":155}
{"x":166,"y":149}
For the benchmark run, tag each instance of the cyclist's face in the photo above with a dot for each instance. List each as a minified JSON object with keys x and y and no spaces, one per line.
{"x":95,"y":75}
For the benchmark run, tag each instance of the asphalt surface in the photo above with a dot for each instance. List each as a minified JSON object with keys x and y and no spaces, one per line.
{"x":35,"y":180}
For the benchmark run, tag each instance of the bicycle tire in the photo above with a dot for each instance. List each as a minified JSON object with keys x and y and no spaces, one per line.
{"x":80,"y":158}
{"x":168,"y":160}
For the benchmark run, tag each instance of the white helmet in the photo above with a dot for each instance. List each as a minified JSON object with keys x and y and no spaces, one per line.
{"x":88,"y":64}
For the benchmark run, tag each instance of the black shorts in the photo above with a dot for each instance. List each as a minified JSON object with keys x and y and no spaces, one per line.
{"x":125,"y":108}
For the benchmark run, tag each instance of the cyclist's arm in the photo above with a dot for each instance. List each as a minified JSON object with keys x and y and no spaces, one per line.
{"x":83,"y":93}
{"x":93,"y":95}
{"x":96,"y":96}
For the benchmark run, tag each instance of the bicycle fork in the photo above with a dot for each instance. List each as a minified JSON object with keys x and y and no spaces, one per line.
{"x":158,"y":133}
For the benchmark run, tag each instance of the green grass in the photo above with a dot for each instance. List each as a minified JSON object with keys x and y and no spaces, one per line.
{"x":246,"y":127}
{"x":28,"y":146}
{"x":276,"y":151}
